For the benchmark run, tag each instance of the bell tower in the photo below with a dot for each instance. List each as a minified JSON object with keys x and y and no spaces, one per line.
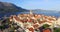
{"x":31,"y":12}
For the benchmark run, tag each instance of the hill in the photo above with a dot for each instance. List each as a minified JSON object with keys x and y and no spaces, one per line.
{"x":9,"y":8}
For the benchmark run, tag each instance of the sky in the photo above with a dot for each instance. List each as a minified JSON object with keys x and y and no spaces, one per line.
{"x":36,"y":4}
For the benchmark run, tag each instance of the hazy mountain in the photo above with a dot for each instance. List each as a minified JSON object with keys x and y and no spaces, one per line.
{"x":47,"y":12}
{"x":9,"y":8}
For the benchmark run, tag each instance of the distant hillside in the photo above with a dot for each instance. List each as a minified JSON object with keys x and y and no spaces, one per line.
{"x":47,"y":12}
{"x":9,"y":8}
{"x":41,"y":10}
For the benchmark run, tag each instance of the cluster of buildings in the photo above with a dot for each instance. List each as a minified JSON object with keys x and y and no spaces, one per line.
{"x":31,"y":21}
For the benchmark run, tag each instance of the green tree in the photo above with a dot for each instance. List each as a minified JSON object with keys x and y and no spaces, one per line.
{"x":45,"y":25}
{"x":56,"y":29}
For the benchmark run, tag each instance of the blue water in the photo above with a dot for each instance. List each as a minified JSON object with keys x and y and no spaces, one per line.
{"x":44,"y":13}
{"x":56,"y":14}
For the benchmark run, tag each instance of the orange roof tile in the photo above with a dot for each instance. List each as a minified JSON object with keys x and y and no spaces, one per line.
{"x":46,"y":30}
{"x":31,"y":29}
{"x":16,"y":18}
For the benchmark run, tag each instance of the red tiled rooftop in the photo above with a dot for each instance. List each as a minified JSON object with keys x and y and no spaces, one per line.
{"x":18,"y":19}
{"x":31,"y":29}
{"x":46,"y":30}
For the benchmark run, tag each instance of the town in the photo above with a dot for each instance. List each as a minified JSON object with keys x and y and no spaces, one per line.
{"x":29,"y":15}
{"x":33,"y":22}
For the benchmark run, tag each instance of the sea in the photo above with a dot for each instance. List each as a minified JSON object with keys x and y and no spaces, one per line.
{"x":56,"y":14}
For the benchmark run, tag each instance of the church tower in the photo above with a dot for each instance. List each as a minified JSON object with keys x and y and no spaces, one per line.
{"x":31,"y":12}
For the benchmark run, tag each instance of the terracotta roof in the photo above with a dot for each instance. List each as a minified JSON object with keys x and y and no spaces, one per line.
{"x":16,"y":18}
{"x":36,"y":26}
{"x":34,"y":21}
{"x":46,"y":30}
{"x":31,"y":29}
